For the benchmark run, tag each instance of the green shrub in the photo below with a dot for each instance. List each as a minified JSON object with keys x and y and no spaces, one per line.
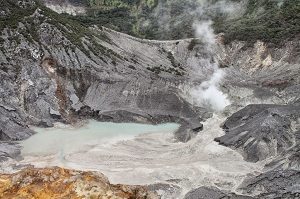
{"x":274,"y":25}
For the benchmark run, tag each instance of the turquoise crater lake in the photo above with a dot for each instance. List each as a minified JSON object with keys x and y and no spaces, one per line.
{"x":65,"y":139}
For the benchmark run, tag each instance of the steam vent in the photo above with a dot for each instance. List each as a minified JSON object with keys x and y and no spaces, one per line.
{"x":150,"y":99}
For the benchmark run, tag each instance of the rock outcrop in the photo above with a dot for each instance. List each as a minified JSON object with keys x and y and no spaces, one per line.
{"x":273,"y":184}
{"x":62,"y":183}
{"x":261,"y":131}
{"x":212,"y":193}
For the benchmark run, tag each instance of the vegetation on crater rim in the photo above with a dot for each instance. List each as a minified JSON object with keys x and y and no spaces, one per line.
{"x":267,"y":20}
{"x":272,"y":21}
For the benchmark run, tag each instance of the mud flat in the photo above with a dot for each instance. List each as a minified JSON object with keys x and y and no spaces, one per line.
{"x":141,"y":154}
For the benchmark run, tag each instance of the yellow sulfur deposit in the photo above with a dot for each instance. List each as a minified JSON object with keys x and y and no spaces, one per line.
{"x":48,"y":183}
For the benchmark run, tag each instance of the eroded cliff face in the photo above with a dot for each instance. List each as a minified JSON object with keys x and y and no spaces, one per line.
{"x":62,"y":183}
{"x":57,"y":70}
{"x":266,"y":79}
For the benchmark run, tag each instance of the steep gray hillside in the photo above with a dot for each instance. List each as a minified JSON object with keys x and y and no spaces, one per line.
{"x":56,"y":70}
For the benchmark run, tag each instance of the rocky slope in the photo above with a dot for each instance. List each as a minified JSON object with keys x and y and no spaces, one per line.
{"x":63,"y":183}
{"x":54,"y":69}
{"x":268,"y":128}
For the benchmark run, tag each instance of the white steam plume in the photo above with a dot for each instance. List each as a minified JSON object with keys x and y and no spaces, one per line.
{"x":208,"y":93}
{"x":205,"y":32}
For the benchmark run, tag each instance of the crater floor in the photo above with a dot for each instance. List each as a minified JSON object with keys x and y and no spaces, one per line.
{"x":144,"y":155}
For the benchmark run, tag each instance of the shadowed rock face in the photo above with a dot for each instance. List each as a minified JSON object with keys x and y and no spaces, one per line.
{"x":269,"y":185}
{"x":212,"y":193}
{"x":264,"y":131}
{"x":205,"y":192}
{"x":274,"y":184}
{"x":261,"y":131}
{"x":289,"y":159}
{"x":63,"y":183}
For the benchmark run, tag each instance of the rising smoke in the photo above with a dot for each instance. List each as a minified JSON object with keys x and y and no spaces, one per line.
{"x":208,"y":93}
{"x":205,"y":32}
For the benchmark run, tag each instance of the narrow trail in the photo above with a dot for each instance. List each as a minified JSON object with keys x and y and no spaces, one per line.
{"x":144,"y":40}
